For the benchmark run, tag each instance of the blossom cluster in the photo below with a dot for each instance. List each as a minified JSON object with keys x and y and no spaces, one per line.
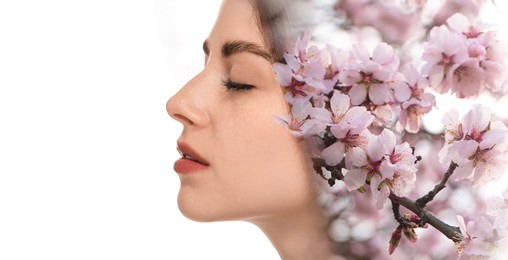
{"x":464,"y":57}
{"x":370,"y":81}
{"x":486,"y":233}
{"x":342,"y":95}
{"x":395,"y":23}
{"x":476,"y":143}
{"x":357,"y":105}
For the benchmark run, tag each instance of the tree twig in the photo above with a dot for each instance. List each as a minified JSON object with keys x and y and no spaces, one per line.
{"x":422,"y":202}
{"x":396,"y":214}
{"x":450,"y":232}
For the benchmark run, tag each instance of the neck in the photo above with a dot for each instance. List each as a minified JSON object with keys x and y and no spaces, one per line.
{"x":299,"y":234}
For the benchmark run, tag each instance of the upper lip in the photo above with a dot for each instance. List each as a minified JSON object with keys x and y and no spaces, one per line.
{"x":185,"y":149}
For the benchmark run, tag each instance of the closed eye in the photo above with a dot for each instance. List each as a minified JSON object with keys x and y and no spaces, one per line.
{"x":234,"y":86}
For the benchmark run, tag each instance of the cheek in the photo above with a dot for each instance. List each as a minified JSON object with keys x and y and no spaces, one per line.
{"x":262,"y":167}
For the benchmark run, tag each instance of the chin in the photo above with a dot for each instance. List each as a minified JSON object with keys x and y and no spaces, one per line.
{"x":197,"y":209}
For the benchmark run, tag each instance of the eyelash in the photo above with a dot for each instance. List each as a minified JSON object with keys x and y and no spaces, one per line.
{"x":234,"y":86}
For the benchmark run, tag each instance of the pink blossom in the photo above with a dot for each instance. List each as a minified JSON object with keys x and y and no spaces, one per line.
{"x":416,"y":102}
{"x":338,"y":59}
{"x":452,"y":127}
{"x":393,"y":21}
{"x":296,"y":87}
{"x":370,"y":75}
{"x":444,"y":52}
{"x":470,"y":8}
{"x":461,"y":24}
{"x":388,"y":166}
{"x":476,"y":144}
{"x":299,"y":80}
{"x":486,"y":236}
{"x":384,"y":115}
{"x":482,"y":165}
{"x":461,"y":58}
{"x":346,"y":125}
{"x":303,"y":74}
{"x":302,"y":52}
{"x":398,"y":168}
{"x":298,"y":122}
{"x":480,"y":70}
{"x":494,"y":64}
{"x":467,"y":79}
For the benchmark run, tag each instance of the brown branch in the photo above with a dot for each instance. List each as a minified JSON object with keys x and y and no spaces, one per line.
{"x":450,"y":232}
{"x":418,"y":207}
{"x":422,"y":202}
{"x":396,"y":214}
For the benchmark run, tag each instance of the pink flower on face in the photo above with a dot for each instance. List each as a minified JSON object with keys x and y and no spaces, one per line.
{"x":443,"y":53}
{"x":477,"y":145}
{"x":415,"y":102}
{"x":296,"y":88}
{"x":370,"y":76}
{"x":388,"y":166}
{"x":308,"y":62}
{"x":346,"y":123}
{"x":303,"y":75}
{"x":303,"y":53}
{"x":301,"y":81}
{"x":298,"y":122}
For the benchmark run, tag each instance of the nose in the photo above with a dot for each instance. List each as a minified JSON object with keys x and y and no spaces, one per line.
{"x":188,"y":105}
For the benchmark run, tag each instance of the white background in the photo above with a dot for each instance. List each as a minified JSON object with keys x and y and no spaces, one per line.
{"x":86,"y":146}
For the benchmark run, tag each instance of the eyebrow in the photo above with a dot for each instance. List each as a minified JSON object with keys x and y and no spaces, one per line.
{"x":230,"y":48}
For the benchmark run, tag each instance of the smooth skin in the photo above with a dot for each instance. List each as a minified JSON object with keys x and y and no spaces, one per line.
{"x":257,"y":171}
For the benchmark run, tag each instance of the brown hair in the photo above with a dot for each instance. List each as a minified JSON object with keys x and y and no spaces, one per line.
{"x":278,"y":21}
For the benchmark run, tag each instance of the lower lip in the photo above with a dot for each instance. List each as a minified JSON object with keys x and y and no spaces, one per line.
{"x":183,"y":165}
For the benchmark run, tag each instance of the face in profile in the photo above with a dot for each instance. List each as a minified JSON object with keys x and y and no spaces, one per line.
{"x":251,"y":167}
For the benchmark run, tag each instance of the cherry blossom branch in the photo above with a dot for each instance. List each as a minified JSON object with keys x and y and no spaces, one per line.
{"x":449,"y":231}
{"x":418,"y":207}
{"x":422,"y":202}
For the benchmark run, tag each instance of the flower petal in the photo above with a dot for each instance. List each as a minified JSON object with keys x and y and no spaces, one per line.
{"x":339,"y":103}
{"x":358,"y":93}
{"x":334,"y":153}
{"x":355,"y":179}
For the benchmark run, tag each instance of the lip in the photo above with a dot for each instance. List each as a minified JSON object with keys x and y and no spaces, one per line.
{"x":184,"y":165}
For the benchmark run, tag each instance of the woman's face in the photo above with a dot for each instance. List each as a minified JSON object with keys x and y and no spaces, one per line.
{"x":256,"y":168}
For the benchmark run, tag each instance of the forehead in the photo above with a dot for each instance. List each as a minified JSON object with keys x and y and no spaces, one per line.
{"x":237,"y":21}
